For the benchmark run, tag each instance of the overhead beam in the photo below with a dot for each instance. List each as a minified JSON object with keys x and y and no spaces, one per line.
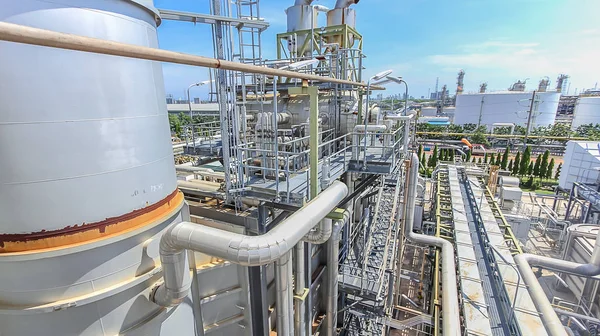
{"x":47,"y":38}
{"x":167,"y":14}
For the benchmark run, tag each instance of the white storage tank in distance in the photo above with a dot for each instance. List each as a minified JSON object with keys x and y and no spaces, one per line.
{"x":506,"y":107}
{"x":587,"y":111}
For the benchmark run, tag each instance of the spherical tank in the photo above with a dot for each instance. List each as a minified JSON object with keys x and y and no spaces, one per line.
{"x":587,"y":111}
{"x":506,"y":107}
{"x":84,"y":138}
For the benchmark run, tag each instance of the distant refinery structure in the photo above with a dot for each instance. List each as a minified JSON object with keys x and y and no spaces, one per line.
{"x":514,"y":105}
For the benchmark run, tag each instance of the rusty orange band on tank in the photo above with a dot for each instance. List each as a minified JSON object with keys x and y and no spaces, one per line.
{"x":86,"y":233}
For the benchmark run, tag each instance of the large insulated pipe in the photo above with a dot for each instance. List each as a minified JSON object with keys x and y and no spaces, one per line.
{"x":47,"y":38}
{"x":333,"y":253}
{"x":235,"y":247}
{"x":345,"y":3}
{"x":450,"y":310}
{"x":524,"y":263}
{"x":299,"y":313}
{"x":303,"y":2}
{"x":283,"y":287}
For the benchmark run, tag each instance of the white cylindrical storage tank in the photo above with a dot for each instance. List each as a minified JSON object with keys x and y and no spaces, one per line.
{"x":587,"y":111}
{"x":428,"y":111}
{"x":505,"y":107}
{"x":89,"y":143}
{"x":87,"y":180}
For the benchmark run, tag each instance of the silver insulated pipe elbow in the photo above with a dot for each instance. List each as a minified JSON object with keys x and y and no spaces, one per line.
{"x":237,"y":248}
{"x":303,"y":2}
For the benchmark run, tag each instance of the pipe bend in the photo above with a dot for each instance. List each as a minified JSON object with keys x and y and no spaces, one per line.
{"x":235,"y":247}
{"x":586,"y":270}
{"x":303,"y":2}
{"x":345,"y":3}
{"x":325,"y":230}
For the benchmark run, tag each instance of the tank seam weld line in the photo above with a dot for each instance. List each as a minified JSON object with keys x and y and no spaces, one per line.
{"x":170,"y":156}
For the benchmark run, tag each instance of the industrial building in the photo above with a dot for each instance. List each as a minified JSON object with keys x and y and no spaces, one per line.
{"x":301,"y":212}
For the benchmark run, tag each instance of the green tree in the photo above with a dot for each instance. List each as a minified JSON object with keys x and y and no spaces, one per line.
{"x":485,"y":158}
{"x":544,"y":164}
{"x":492,"y":159}
{"x":440,"y":155}
{"x":479,"y":138}
{"x":505,"y":158}
{"x":420,"y":151}
{"x":479,"y":161}
{"x":474,"y":159}
{"x":423,"y":159}
{"x":530,"y":169}
{"x":433,"y":158}
{"x":510,"y":166}
{"x":468,"y":156}
{"x":498,"y":160}
{"x":525,"y":160}
{"x":175,"y":124}
{"x":516,"y":163}
{"x":557,"y":174}
{"x":550,"y":169}
{"x":536,"y":167}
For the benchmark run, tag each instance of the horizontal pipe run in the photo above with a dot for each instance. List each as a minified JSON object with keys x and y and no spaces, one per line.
{"x":22,"y":34}
{"x":370,"y":128}
{"x":237,"y":248}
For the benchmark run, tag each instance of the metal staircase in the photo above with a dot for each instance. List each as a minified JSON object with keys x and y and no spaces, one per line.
{"x":365,"y":276}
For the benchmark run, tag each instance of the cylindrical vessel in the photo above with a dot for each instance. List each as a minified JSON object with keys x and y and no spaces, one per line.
{"x":82,"y":135}
{"x":342,"y":16}
{"x":506,"y":107}
{"x":87,"y":180}
{"x":300,"y":17}
{"x":587,"y":111}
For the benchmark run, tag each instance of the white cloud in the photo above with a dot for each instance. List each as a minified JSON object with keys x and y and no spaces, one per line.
{"x":577,"y":55}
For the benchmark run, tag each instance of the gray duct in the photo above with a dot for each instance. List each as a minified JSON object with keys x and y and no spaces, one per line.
{"x":237,"y":248}
{"x":303,"y":2}
{"x":345,"y":3}
{"x":450,"y":310}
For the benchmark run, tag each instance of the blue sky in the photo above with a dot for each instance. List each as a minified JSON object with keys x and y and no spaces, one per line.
{"x":494,"y":41}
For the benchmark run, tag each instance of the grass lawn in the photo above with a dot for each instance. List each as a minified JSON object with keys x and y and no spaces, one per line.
{"x":541,"y":183}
